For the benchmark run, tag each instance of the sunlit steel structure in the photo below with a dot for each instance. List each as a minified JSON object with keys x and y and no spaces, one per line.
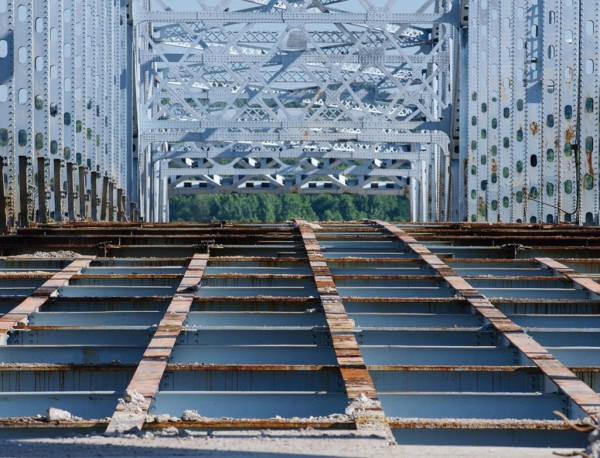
{"x":65,"y":126}
{"x":296,"y":96}
{"x":473,"y":110}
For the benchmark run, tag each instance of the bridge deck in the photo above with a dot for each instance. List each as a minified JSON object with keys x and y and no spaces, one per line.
{"x":437,"y":334}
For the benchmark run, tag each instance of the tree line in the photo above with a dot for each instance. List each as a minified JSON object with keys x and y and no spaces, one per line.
{"x":284,"y":207}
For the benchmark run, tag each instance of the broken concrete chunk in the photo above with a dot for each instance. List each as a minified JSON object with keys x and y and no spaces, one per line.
{"x":191,"y":415}
{"x":54,"y":414}
{"x":163,"y":418}
{"x":133,"y":397}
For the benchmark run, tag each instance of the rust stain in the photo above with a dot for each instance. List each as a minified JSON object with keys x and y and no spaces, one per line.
{"x":542,"y":425}
{"x":580,"y":393}
{"x":590,"y":162}
{"x":494,"y":166}
{"x":149,"y":373}
{"x":250,"y":423}
{"x":570,"y":134}
{"x":356,"y":377}
{"x":534,"y":128}
{"x":480,"y":205}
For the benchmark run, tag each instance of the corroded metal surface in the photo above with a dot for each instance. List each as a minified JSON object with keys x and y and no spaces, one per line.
{"x":151,"y":368}
{"x":18,"y":316}
{"x":357,"y":380}
{"x":580,"y":393}
{"x":288,"y":331}
{"x":584,"y":281}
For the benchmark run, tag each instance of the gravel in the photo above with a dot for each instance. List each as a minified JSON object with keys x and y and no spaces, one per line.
{"x":61,"y":254}
{"x":247,"y":444}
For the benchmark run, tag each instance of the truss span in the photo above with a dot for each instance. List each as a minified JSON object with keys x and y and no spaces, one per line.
{"x":295,"y":96}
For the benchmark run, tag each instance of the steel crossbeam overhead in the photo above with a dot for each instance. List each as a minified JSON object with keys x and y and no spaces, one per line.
{"x":295,"y":96}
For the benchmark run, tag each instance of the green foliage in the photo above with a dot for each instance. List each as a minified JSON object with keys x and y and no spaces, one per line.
{"x":283,"y":207}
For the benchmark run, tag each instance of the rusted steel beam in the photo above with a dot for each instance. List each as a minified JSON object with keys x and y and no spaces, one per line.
{"x":356,"y":377}
{"x":581,"y":280}
{"x":195,"y":367}
{"x":147,"y":377}
{"x":476,"y":368}
{"x":540,"y":425}
{"x":343,"y":422}
{"x":579,"y":393}
{"x":42,"y":423}
{"x":19,"y":316}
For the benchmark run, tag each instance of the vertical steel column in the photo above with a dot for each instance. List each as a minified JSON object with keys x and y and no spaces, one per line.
{"x":147,"y":377}
{"x":551,"y":143}
{"x":124,"y":207}
{"x":567,"y":91}
{"x":87,"y":151}
{"x":72,"y":70}
{"x":70,"y":192}
{"x":60,"y":69}
{"x":8,"y":98}
{"x":43,"y":76}
{"x":23,"y":108}
{"x":477,"y":52}
{"x":132,"y":212}
{"x":120,"y":207}
{"x":588,"y":111}
{"x":3,"y":220}
{"x":41,"y":188}
{"x":23,"y":194}
{"x":529,"y":104}
{"x":111,"y":201}
{"x":82,"y":192}
{"x":94,"y":196}
{"x":104,"y":202}
{"x":515,"y":15}
{"x":57,"y":190}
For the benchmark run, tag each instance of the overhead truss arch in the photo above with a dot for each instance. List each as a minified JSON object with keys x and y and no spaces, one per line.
{"x":295,"y":96}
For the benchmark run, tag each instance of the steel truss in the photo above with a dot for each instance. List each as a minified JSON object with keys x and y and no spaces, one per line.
{"x":534,"y":97}
{"x":64,"y":125}
{"x":295,"y":96}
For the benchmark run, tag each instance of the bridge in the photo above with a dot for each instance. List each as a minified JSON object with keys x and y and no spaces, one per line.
{"x":478,"y":111}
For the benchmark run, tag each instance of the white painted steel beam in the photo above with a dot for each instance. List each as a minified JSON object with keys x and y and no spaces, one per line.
{"x":62,"y":63}
{"x":308,"y":73}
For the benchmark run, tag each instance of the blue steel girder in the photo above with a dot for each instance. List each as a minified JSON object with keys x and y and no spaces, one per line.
{"x":290,"y":77}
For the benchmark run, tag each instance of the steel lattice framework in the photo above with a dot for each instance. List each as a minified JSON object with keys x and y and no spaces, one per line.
{"x":534,"y":97}
{"x":479,"y":110}
{"x":295,"y":96}
{"x":64,"y":123}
